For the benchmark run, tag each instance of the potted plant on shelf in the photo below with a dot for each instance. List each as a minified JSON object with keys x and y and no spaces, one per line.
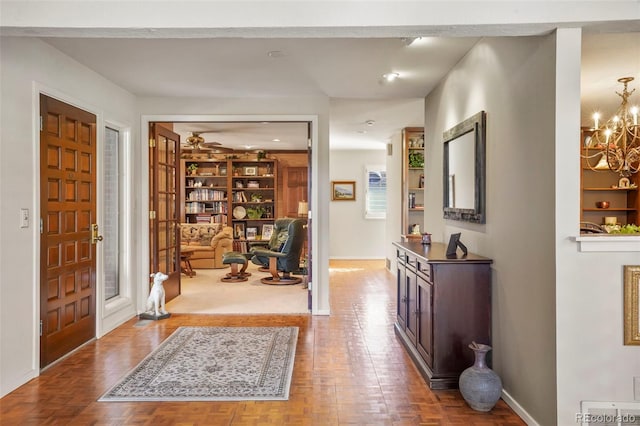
{"x":416,"y":159}
{"x":255,"y":212}
{"x":192,"y":169}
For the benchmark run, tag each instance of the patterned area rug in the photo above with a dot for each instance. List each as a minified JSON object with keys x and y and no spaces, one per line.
{"x":214,"y":364}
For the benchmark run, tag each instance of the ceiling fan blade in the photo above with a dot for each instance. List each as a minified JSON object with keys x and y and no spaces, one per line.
{"x":211,"y":144}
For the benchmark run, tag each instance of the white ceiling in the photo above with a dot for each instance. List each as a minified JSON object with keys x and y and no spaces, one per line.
{"x":347,"y":70}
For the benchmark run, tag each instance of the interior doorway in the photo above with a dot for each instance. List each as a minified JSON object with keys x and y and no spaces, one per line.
{"x":279,"y":150}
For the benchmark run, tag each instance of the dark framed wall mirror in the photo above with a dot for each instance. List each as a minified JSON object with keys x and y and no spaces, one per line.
{"x":464,"y":170}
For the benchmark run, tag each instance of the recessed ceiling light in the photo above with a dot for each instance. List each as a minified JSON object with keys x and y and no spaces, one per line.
{"x":390,"y":76}
{"x":362,"y":132}
{"x":275,"y":140}
{"x":415,"y":41}
{"x":370,"y":122}
{"x":408,"y":41}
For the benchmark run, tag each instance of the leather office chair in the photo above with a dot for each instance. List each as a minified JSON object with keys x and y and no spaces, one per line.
{"x":283,"y":253}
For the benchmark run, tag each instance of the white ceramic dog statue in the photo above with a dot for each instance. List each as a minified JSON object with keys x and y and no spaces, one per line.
{"x":155,"y":302}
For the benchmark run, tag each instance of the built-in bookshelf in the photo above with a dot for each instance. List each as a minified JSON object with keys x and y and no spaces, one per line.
{"x":235,"y":192}
{"x":412,"y":179}
{"x":602,"y":184}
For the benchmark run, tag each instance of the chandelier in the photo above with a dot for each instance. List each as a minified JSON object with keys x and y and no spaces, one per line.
{"x":615,"y":145}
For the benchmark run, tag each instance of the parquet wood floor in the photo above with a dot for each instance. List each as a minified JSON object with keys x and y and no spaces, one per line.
{"x":349,"y":369}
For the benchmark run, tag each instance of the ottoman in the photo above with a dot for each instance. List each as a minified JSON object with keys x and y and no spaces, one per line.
{"x":234,"y":259}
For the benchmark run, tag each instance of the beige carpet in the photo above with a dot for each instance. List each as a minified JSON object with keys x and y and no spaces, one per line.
{"x":206,"y":294}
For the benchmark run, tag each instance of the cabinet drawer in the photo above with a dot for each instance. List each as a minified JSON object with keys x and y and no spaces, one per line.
{"x":411,"y":261}
{"x":401,"y":256}
{"x":424,"y":268}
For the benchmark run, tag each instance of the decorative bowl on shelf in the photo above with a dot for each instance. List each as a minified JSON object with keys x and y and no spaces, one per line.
{"x":602,"y":204}
{"x":239,"y":212}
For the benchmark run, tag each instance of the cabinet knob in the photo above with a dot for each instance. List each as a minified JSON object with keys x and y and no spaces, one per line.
{"x":403,"y":299}
{"x":416,"y":312}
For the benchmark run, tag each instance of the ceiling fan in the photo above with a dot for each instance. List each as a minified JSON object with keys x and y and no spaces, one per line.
{"x":197,"y":144}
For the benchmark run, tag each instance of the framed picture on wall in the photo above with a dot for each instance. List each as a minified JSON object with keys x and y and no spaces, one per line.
{"x":632,"y":304}
{"x":250,"y":171}
{"x":343,"y":190}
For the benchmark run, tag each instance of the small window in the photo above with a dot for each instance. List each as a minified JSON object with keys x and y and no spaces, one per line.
{"x":111,"y":224}
{"x":376,"y":192}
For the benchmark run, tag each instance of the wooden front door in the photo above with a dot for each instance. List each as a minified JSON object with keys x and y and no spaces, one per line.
{"x":68,"y":215}
{"x":164,"y":208}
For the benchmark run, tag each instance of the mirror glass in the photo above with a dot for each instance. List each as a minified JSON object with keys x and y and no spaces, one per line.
{"x":461,"y":171}
{"x":464,"y":170}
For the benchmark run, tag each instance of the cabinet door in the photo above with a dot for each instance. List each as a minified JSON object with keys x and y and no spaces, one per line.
{"x":412,"y":307}
{"x":424,"y":337}
{"x":401,"y":309}
{"x":294,"y":190}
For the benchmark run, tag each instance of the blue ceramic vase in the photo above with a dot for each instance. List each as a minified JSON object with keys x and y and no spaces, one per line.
{"x":480,"y":386}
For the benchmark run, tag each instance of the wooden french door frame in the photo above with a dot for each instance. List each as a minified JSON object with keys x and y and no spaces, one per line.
{"x":164,"y":209}
{"x":309,"y":217}
{"x":68,"y":237}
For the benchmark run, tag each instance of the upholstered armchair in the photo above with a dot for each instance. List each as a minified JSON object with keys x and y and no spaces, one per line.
{"x":283,"y":253}
{"x":206,"y":243}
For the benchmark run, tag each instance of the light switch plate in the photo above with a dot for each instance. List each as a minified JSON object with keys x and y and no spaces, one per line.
{"x":24,"y":218}
{"x":636,"y":388}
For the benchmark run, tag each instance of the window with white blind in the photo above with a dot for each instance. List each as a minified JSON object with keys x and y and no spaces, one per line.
{"x":375,"y":192}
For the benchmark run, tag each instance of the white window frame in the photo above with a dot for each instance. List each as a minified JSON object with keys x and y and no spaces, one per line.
{"x":122,"y":307}
{"x":367,"y":213}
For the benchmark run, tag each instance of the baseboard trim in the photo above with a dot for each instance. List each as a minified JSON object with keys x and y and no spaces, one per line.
{"x":517,"y":408}
{"x":355,"y":258}
{"x":7,"y":388}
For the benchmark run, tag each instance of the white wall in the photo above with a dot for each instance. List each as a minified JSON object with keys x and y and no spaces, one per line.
{"x":593,"y":363}
{"x":556,"y":310}
{"x":512,"y":79}
{"x":394,"y":195}
{"x":353,"y":236}
{"x":29,"y":65}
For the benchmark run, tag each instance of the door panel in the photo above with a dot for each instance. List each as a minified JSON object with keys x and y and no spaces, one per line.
{"x":295,"y":189}
{"x":163,"y":198}
{"x":401,"y":308}
{"x":68,"y":208}
{"x":412,"y":307}
{"x":424,"y":338}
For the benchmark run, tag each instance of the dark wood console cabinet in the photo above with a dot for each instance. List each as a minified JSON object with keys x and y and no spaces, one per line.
{"x":443,"y":305}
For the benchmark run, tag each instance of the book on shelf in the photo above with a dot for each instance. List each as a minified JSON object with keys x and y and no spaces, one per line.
{"x":240,"y":246}
{"x":219,"y":218}
{"x":203,"y":218}
{"x":240,"y":197}
{"x":205,"y":194}
{"x":194,"y":207}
